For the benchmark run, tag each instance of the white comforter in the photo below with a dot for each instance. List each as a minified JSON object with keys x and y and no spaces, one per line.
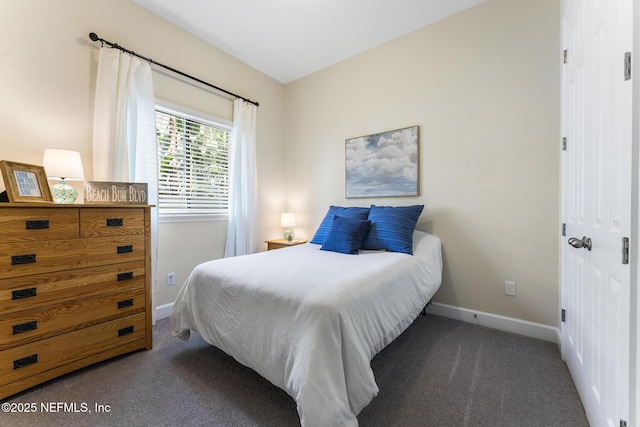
{"x":310,"y":321}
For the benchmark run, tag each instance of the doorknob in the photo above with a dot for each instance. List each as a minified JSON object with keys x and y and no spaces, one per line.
{"x":585,"y":242}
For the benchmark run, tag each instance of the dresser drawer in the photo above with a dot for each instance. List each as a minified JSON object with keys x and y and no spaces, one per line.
{"x":111,"y":222}
{"x":24,"y":224}
{"x":27,"y":326}
{"x":21,"y":259}
{"x":22,"y":293}
{"x":30,"y":359}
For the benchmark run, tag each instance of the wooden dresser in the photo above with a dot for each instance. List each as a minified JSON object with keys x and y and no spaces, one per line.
{"x":75,"y":283}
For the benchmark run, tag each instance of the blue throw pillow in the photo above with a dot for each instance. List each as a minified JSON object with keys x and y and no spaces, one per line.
{"x":346,"y":235}
{"x":392,"y":228}
{"x":325,"y":225}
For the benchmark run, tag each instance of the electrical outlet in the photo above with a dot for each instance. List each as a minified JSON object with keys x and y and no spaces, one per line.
{"x":510,"y":288}
{"x":171,"y":279}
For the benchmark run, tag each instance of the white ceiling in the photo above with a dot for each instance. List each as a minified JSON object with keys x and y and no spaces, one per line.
{"x":289,"y":39}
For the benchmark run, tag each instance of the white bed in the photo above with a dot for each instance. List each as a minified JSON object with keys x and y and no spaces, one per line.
{"x":310,"y":320}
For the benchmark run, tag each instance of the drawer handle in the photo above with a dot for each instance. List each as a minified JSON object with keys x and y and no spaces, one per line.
{"x":25,"y":361}
{"x":115,"y":222}
{"x":25,"y":327}
{"x":23,"y":259}
{"x":125,"y":303}
{"x":125,"y":331}
{"x":125,"y":276}
{"x":37,"y":225}
{"x":24,"y":293}
{"x":124,"y":249}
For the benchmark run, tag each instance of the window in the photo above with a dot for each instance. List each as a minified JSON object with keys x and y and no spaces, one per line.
{"x":193,"y":164}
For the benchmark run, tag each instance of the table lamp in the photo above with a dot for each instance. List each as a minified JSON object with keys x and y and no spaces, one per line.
{"x":63,"y":165}
{"x":288,"y":220}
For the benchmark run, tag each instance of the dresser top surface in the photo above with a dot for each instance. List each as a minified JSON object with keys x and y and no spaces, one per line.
{"x":75,"y":205}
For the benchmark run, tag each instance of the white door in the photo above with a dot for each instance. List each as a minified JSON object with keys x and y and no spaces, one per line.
{"x":597,"y":205}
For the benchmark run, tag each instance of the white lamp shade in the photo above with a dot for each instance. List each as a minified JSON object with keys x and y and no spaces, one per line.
{"x":62,"y":164}
{"x":288,"y":220}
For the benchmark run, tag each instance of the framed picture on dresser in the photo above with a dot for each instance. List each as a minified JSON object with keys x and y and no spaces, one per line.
{"x":25,"y":182}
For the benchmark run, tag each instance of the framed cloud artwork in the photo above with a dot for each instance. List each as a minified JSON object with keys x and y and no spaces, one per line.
{"x":383,"y":164}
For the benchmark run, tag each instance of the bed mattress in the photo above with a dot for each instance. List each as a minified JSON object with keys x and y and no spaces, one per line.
{"x":309,"y":320}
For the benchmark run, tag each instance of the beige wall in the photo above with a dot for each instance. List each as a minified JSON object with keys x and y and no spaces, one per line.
{"x":484,"y":87}
{"x":47,"y":75}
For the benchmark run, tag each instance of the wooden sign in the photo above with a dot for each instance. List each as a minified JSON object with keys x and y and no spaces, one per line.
{"x":102,"y":192}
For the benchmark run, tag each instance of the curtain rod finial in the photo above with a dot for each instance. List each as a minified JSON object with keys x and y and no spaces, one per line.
{"x":94,"y":37}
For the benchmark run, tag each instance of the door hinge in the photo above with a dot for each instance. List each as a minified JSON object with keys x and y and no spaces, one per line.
{"x":564,"y":56}
{"x":564,"y":230}
{"x":623,"y":423}
{"x":564,"y":143}
{"x":627,"y":66}
{"x":625,"y":250}
{"x":564,"y":315}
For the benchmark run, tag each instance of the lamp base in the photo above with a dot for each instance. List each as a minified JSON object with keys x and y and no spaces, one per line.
{"x":288,"y":234}
{"x":63,"y":193}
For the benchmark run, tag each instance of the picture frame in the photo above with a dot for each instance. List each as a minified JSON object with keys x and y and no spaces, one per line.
{"x":25,"y":182}
{"x":385,"y":164}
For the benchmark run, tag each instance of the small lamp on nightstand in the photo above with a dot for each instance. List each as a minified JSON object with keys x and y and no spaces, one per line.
{"x":287,"y":221}
{"x":63,"y":165}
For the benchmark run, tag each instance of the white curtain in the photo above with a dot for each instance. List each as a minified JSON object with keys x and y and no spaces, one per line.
{"x":242,"y":231}
{"x":124,"y":132}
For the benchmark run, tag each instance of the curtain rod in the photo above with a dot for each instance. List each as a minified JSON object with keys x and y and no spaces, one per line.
{"x":95,"y":38}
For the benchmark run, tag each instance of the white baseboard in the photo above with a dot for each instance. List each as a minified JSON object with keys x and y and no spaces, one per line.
{"x":164,"y":311}
{"x":495,"y":321}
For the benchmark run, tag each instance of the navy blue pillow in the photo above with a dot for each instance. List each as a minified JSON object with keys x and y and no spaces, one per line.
{"x":325,"y":225}
{"x":346,"y":235}
{"x":392,"y":228}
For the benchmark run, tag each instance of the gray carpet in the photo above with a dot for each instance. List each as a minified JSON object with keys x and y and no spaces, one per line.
{"x":440,"y":372}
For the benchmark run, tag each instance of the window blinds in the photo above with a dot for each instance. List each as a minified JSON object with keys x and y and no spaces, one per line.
{"x":193,"y":166}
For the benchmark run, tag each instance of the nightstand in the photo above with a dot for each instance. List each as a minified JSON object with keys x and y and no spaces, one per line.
{"x":283,"y":243}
